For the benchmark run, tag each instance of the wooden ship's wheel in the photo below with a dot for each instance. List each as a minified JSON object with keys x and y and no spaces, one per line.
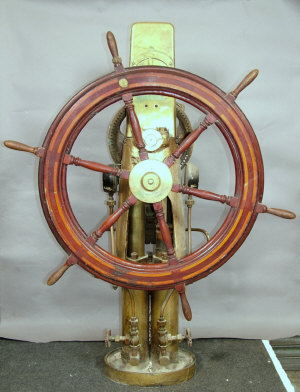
{"x":149,"y":181}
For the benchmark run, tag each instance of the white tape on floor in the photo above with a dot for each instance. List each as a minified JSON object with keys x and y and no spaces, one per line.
{"x":282,"y":374}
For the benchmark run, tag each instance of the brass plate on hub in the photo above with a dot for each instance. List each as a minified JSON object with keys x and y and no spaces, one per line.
{"x":149,"y":373}
{"x":150,"y":181}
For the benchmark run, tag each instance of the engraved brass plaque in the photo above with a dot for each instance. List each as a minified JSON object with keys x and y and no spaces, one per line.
{"x":153,"y":44}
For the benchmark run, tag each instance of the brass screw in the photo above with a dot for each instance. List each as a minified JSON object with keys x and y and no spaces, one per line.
{"x":123,"y":82}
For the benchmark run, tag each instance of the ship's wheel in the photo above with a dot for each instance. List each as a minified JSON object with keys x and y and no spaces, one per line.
{"x":151,"y":181}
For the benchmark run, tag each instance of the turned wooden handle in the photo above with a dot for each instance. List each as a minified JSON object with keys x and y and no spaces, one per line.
{"x":57,"y":274}
{"x":281,"y":213}
{"x":185,"y":306}
{"x":112,"y":44}
{"x":72,"y":259}
{"x":20,"y":146}
{"x":184,"y":302}
{"x":245,"y":82}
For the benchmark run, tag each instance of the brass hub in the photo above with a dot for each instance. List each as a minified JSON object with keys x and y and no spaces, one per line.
{"x":150,"y":181}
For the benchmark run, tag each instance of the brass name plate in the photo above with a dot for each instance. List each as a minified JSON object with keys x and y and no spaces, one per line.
{"x":153,"y":44}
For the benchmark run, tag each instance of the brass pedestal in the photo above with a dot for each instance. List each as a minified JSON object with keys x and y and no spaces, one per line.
{"x":149,"y":372}
{"x":150,"y":355}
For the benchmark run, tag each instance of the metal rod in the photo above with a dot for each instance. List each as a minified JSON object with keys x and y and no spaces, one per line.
{"x":165,"y":303}
{"x":189,"y":223}
{"x":189,"y":203}
{"x":201,"y":231}
{"x":112,"y":234}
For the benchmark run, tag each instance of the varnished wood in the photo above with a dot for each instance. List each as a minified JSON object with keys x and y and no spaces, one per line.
{"x":202,"y":194}
{"x":186,"y":308}
{"x":57,"y":274}
{"x":207,"y":195}
{"x":286,"y":214}
{"x":135,"y":125}
{"x":281,"y":213}
{"x":14,"y":145}
{"x":96,"y":166}
{"x":72,"y":259}
{"x":165,"y":233}
{"x":236,"y":131}
{"x":112,"y":45}
{"x":112,"y":219}
{"x":244,"y":83}
{"x":189,"y":140}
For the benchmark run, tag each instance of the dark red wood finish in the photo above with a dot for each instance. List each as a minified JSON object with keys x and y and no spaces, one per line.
{"x":165,"y":232}
{"x":207,"y":195}
{"x":180,"y":85}
{"x":135,"y":125}
{"x":96,"y":166}
{"x":189,"y":140}
{"x":112,"y":219}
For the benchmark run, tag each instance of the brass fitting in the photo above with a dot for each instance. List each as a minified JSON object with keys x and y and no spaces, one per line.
{"x":134,"y":354}
{"x":164,"y":356}
{"x":117,"y":338}
{"x":111,"y":202}
{"x":132,"y":340}
{"x":134,"y":357}
{"x":164,"y":339}
{"x":180,"y":337}
{"x":189,"y":201}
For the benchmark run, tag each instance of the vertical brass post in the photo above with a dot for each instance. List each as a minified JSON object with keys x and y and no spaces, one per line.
{"x":136,"y":244}
{"x":151,"y":44}
{"x":171,"y":316}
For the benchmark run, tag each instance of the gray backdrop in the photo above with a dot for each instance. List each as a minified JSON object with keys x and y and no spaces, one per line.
{"x":50,"y":50}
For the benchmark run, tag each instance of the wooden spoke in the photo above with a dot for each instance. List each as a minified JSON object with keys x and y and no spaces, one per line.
{"x":190,"y":139}
{"x":202,"y":194}
{"x":111,"y":220}
{"x":135,"y":125}
{"x":165,"y":232}
{"x":99,"y":167}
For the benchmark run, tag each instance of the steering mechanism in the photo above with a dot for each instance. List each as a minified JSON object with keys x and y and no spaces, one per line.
{"x":151,"y":179}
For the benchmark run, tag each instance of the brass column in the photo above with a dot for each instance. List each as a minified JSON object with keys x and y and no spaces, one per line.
{"x":136,"y":249}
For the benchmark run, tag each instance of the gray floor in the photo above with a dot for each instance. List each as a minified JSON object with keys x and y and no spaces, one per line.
{"x":223,"y":365}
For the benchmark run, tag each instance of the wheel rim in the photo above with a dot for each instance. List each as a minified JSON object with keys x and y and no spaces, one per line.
{"x":200,"y":94}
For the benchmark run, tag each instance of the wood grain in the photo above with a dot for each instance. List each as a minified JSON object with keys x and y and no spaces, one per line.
{"x":245,"y":82}
{"x":186,"y":308}
{"x":14,"y":145}
{"x":112,"y":44}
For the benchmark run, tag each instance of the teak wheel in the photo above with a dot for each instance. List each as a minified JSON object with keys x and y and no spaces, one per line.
{"x":219,"y":108}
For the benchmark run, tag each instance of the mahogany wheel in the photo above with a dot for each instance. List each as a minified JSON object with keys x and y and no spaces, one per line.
{"x":220,"y":109}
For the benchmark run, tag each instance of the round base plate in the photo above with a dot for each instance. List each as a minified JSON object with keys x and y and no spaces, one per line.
{"x":149,"y":372}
